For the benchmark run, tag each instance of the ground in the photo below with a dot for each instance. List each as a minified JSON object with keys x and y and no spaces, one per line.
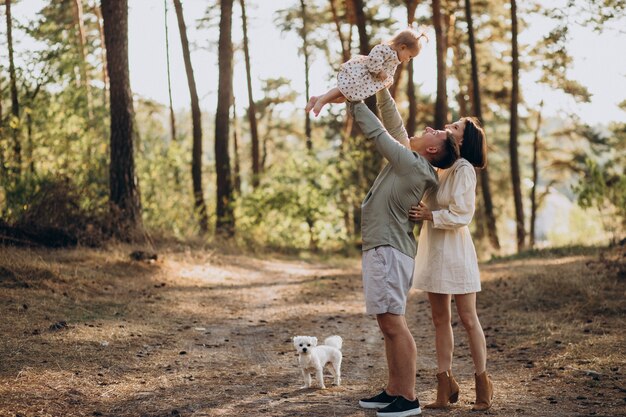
{"x":206,"y":333}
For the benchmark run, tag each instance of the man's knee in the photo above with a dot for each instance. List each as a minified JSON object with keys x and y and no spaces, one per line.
{"x":391,"y":325}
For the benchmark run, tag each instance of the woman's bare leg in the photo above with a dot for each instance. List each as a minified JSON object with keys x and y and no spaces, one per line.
{"x":444,"y":338}
{"x":466,"y":307}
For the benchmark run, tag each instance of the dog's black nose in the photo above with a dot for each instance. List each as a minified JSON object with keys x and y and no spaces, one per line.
{"x":304,"y":349}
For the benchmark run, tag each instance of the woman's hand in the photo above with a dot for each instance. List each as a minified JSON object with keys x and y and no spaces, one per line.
{"x":382,"y":76}
{"x":420,"y":212}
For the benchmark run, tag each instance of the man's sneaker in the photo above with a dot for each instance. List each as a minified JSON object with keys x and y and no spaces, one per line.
{"x":378,"y":401}
{"x":401,"y":407}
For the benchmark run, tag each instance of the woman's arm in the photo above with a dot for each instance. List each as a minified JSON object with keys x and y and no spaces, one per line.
{"x":401,"y":158}
{"x":391,"y":118}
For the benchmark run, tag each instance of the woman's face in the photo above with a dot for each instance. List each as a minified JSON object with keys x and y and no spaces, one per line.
{"x":457,"y":128}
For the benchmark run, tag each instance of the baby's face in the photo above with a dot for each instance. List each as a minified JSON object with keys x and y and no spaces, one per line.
{"x":405,"y":54}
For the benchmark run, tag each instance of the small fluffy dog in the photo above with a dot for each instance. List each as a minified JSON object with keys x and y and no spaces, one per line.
{"x":313,"y":358}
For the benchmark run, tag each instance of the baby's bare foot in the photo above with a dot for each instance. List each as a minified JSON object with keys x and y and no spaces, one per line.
{"x":310,"y":104}
{"x":318,"y":107}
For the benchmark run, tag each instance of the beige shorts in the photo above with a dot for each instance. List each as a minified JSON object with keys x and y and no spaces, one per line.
{"x":387,"y":279}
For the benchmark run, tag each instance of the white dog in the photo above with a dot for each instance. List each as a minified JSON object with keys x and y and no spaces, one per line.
{"x":313,"y":358}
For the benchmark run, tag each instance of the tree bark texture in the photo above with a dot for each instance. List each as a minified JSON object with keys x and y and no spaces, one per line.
{"x":515,"y":170}
{"x":485,"y":187}
{"x":82,"y":41}
{"x":15,"y":104}
{"x":441,"y":104}
{"x":124,"y":190}
{"x":105,"y":74}
{"x":254,"y":133}
{"x":225,"y":222}
{"x":196,"y":121}
{"x":411,"y":6}
{"x":169,"y":77}
{"x":305,"y":52}
{"x":533,"y":190}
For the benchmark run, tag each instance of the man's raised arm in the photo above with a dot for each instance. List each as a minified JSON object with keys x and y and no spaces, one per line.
{"x":391,"y":117}
{"x":400,"y":157}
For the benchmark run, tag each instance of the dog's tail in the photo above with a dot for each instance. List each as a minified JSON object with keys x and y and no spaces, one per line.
{"x":334,"y":341}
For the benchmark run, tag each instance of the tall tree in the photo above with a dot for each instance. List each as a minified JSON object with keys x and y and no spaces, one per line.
{"x":15,"y":104}
{"x":3,"y":168}
{"x":345,"y":46}
{"x":82,"y":41}
{"x":477,"y":110}
{"x":364,"y":41}
{"x":515,"y":170}
{"x":124,"y":190}
{"x":105,"y":75}
{"x":236,"y":162}
{"x":305,"y":51}
{"x":196,"y":152}
{"x":533,"y":190}
{"x":225,"y":223}
{"x":169,"y":78}
{"x":411,"y":6}
{"x":441,"y":104}
{"x":254,"y":134}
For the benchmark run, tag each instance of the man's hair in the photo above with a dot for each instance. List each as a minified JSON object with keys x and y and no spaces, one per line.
{"x":474,"y":147}
{"x":448,"y":153}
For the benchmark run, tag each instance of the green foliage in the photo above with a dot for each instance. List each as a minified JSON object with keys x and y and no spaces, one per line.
{"x":604,"y":187}
{"x":295,"y":206}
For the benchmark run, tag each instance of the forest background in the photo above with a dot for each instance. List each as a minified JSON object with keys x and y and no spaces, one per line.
{"x":185,"y":119}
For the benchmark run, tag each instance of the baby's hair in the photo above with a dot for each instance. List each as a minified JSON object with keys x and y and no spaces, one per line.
{"x":408,"y":37}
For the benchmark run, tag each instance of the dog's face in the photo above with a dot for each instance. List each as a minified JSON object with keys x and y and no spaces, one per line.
{"x":304,"y":344}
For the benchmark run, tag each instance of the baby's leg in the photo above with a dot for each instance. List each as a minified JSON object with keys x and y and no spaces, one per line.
{"x":332,"y":96}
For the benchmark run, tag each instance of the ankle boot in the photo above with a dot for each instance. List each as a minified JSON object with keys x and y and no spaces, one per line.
{"x":484,"y":392}
{"x":447,"y":391}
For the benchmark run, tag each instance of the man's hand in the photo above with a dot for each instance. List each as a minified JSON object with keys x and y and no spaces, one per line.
{"x":420,"y":212}
{"x":382,"y":76}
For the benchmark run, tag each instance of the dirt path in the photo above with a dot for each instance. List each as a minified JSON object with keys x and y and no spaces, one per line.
{"x":203,"y":334}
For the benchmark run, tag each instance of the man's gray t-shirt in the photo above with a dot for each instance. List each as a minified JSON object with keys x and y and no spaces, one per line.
{"x":400,"y":185}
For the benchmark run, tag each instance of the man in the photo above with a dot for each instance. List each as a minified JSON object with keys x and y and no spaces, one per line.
{"x":389,"y":244}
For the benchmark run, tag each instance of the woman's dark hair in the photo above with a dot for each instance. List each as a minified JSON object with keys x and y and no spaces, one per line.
{"x":474,"y":147}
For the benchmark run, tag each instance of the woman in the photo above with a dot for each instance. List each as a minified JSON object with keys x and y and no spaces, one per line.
{"x":446,"y":263}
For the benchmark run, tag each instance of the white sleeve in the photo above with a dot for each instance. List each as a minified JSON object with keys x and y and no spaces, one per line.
{"x":463,"y":201}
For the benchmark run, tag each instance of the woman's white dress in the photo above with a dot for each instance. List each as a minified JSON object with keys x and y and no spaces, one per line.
{"x":357,"y":79}
{"x":446,"y":261}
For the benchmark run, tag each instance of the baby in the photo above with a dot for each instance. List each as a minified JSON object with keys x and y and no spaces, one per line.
{"x":362,"y":76}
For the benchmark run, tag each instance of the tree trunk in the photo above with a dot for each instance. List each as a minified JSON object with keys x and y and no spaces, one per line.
{"x":477,"y":108}
{"x":345,"y":48}
{"x":196,"y":120}
{"x":533,"y":191}
{"x":15,"y":104}
{"x":441,"y":104}
{"x":169,"y":77}
{"x":82,"y":41}
{"x":515,"y":170}
{"x":225,"y":223}
{"x":105,"y":75}
{"x":3,"y":167}
{"x":124,"y":190}
{"x":364,"y":42}
{"x":305,"y":52}
{"x":411,"y":5}
{"x":236,"y":167}
{"x":254,"y":134}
